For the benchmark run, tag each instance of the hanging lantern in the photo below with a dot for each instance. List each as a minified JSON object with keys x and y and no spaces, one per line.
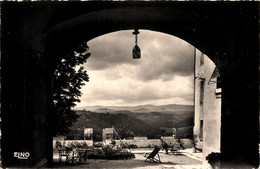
{"x":136,"y":50}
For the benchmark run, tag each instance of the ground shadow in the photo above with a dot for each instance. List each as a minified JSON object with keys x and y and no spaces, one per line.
{"x":137,"y":162}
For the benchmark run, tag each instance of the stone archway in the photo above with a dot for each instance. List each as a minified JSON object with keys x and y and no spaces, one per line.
{"x":35,"y":35}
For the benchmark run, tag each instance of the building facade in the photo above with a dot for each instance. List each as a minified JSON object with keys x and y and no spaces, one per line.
{"x":207,"y":104}
{"x":88,"y":133}
{"x":108,"y":135}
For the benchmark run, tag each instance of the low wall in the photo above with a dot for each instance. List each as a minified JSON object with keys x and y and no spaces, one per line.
{"x":142,"y":143}
{"x":169,"y":140}
{"x":67,"y":143}
{"x":186,"y":143}
{"x":148,"y":142}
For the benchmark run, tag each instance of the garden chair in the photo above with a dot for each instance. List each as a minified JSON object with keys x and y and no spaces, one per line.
{"x":152,"y":156}
{"x":73,"y":158}
{"x":63,"y":153}
{"x":176,"y":149}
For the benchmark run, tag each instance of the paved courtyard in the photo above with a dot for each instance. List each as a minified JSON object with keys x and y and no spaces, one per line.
{"x":169,"y":161}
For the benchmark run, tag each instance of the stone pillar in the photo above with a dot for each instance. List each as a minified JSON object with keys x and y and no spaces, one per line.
{"x":26,"y":141}
{"x":239,"y":124}
{"x":240,"y":117}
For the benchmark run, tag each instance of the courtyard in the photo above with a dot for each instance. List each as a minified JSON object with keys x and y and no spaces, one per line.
{"x":185,"y":160}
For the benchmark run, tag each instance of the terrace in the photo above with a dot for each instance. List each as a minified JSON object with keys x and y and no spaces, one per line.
{"x":187,"y":159}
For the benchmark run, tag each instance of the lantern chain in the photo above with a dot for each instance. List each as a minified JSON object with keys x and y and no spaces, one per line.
{"x":136,"y":39}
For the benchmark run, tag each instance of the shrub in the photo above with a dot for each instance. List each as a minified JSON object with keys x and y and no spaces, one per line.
{"x":126,"y":145}
{"x":98,"y":144}
{"x":58,"y":144}
{"x":213,"y":158}
{"x":111,"y":153}
{"x":133,"y":146}
{"x":119,"y":156}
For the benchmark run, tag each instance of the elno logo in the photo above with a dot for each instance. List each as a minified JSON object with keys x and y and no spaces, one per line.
{"x":22,"y":155}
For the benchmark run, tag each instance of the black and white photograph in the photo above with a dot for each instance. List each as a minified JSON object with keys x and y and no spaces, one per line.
{"x":130,"y":84}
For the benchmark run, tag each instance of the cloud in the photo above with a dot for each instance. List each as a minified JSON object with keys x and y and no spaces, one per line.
{"x":163,"y":56}
{"x":127,"y":91}
{"x":164,"y":74}
{"x":111,"y":50}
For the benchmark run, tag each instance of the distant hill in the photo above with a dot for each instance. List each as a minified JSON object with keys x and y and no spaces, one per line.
{"x":140,"y":108}
{"x":98,"y":121}
{"x":144,"y":120}
{"x":104,"y":110}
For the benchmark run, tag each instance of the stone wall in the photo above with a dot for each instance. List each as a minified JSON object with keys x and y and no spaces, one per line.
{"x":207,"y":113}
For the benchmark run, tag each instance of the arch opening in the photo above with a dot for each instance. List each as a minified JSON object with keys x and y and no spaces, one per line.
{"x":100,"y":22}
{"x":112,"y":52}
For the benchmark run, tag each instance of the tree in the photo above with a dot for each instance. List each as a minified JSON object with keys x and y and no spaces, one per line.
{"x":69,"y":77}
{"x":122,"y":129}
{"x":75,"y":135}
{"x":165,"y":132}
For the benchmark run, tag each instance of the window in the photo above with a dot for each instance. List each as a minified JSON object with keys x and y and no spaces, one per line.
{"x":109,"y":136}
{"x":219,"y":87}
{"x":201,"y":130}
{"x":202,"y":84}
{"x":219,"y":84}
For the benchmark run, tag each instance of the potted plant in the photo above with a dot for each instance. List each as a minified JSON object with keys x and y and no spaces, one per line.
{"x":214,"y":160}
{"x":58,"y":145}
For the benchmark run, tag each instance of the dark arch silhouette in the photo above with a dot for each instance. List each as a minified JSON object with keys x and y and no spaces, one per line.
{"x":181,"y":20}
{"x":36,"y":35}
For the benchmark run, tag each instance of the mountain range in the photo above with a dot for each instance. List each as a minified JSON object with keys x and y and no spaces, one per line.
{"x":143,"y":120}
{"x":138,"y":109}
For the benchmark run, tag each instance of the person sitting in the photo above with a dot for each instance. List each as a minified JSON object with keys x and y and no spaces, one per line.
{"x":113,"y":142}
{"x":165,"y":146}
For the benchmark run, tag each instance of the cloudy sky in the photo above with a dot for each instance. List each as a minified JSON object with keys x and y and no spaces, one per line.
{"x":163,"y":75}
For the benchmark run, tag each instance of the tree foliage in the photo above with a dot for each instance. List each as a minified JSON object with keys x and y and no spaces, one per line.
{"x":69,"y":77}
{"x":75,"y":135}
{"x":123,"y":129}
